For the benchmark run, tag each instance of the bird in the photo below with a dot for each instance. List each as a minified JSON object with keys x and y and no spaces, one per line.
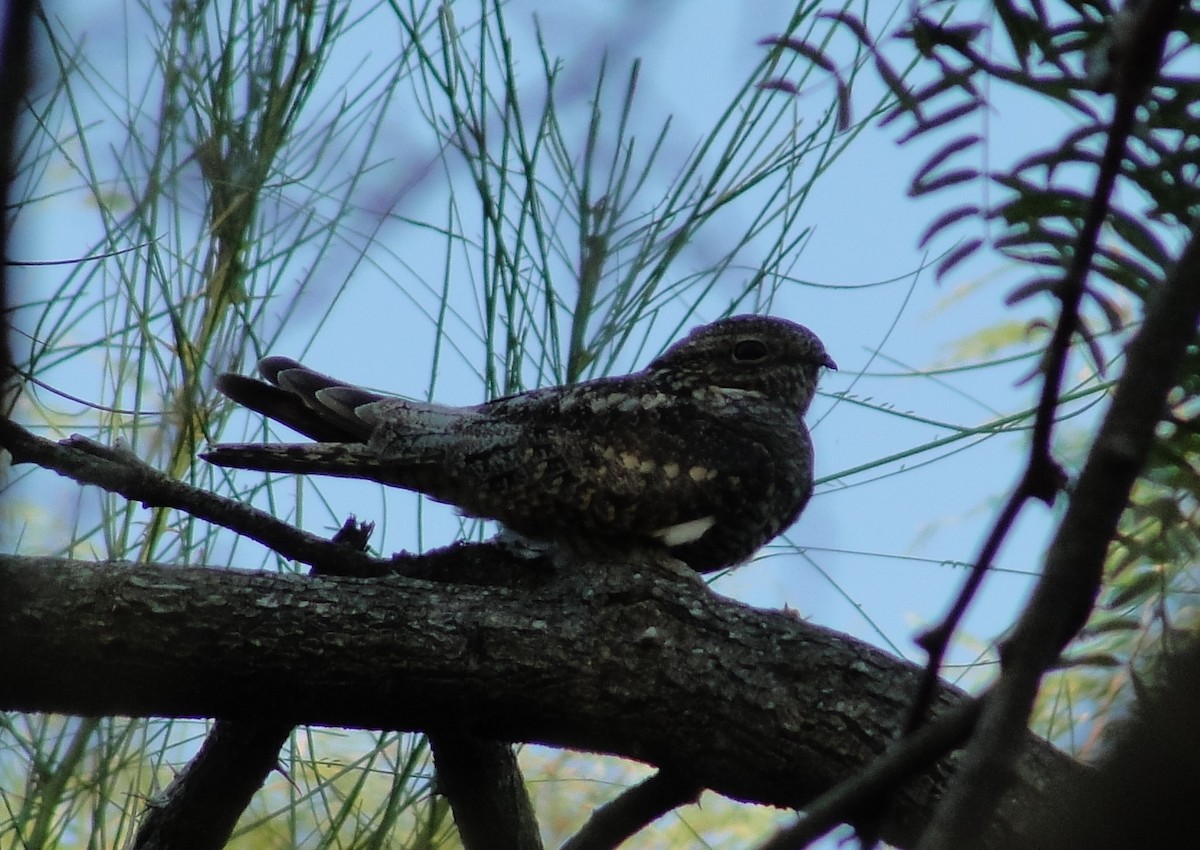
{"x":704,"y":453}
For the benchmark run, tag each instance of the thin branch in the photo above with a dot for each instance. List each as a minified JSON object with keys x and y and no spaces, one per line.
{"x":1064,"y":596}
{"x":119,"y":471}
{"x":935,"y":641}
{"x":483,"y":783}
{"x":502,"y":563}
{"x":1043,"y":477}
{"x":634,"y":809}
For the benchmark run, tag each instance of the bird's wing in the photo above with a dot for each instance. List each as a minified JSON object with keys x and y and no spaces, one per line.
{"x":609,"y":470}
{"x":697,"y":468}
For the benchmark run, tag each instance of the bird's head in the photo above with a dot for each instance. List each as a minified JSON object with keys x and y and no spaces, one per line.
{"x":775,"y":357}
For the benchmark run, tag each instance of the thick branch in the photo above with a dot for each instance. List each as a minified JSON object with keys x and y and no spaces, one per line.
{"x":201,"y":806}
{"x":633,"y":659}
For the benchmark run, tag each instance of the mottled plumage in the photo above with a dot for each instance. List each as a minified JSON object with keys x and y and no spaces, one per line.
{"x":704,"y":452}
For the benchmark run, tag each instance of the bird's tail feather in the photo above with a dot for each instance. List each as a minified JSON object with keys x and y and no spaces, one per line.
{"x":280,"y":405}
{"x":343,"y":460}
{"x":314,"y":404}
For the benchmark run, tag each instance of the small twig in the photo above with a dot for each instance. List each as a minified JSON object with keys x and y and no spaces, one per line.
{"x":632,"y":810}
{"x":120,"y":472}
{"x":936,"y":641}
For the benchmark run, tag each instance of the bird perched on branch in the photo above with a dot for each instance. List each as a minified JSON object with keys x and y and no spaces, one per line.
{"x":704,"y":452}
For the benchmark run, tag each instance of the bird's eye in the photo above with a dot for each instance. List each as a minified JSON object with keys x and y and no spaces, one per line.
{"x":749,"y":351}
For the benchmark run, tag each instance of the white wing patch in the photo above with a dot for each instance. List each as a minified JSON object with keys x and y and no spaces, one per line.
{"x":685,"y":532}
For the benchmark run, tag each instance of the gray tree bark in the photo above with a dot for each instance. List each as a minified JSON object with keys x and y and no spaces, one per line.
{"x":639,"y":659}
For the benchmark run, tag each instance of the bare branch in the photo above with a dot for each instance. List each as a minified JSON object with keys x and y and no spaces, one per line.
{"x":201,"y":806}
{"x":122,"y":472}
{"x":483,"y":783}
{"x":634,"y":809}
{"x":753,"y":704}
{"x":1071,"y":578}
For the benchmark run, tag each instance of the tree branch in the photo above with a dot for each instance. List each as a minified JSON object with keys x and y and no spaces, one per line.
{"x":756,"y":705}
{"x":1073,"y":572}
{"x":203,"y":803}
{"x":635,"y":808}
{"x":483,"y":783}
{"x":118,"y":471}
{"x":201,"y":806}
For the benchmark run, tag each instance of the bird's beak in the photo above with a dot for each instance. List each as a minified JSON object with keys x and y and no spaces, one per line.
{"x":829,"y":364}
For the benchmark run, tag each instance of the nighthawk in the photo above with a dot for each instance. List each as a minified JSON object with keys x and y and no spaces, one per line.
{"x":704,"y":452}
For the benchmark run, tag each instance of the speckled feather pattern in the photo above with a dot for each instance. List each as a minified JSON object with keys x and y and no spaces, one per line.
{"x":705,"y":451}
